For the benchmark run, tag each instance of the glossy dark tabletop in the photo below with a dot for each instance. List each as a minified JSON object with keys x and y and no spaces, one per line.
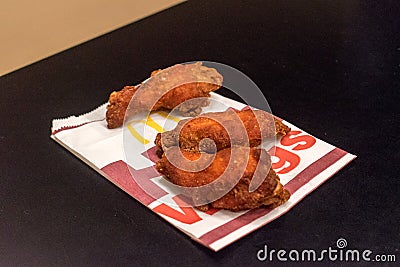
{"x":330,"y":67}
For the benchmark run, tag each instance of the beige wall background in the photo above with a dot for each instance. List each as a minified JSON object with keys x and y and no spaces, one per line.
{"x":32,"y":30}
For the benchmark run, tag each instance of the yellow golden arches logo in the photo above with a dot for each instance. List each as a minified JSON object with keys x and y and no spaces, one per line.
{"x":151,"y":123}
{"x":168,"y":116}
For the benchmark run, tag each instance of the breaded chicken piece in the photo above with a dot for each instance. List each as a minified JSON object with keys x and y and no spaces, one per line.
{"x":239,"y":173}
{"x":224,"y":128}
{"x":166,"y":89}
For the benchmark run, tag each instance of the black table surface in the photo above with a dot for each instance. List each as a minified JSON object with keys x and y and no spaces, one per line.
{"x":330,"y":67}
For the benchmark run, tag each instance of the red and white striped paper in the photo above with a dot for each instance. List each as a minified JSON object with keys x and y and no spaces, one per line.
{"x":303,"y":163}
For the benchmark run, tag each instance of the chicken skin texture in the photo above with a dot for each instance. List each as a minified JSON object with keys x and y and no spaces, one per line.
{"x":165,"y":90}
{"x":214,"y":131}
{"x":223,"y":170}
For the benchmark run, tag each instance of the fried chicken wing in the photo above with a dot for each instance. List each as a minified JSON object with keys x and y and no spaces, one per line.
{"x":166,"y":89}
{"x":225,"y":171}
{"x":246,"y":127}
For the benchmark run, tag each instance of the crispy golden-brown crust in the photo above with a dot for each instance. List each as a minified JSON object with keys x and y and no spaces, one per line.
{"x":118,"y":103}
{"x":269,"y":193}
{"x":224,"y":128}
{"x":166,"y":89}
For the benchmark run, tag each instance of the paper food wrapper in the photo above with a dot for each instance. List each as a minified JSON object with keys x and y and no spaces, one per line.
{"x":303,"y":163}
